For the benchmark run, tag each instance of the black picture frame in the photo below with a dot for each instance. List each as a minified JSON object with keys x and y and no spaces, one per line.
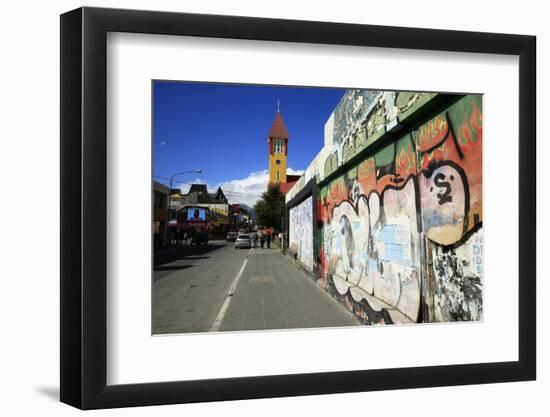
{"x":84,"y":207}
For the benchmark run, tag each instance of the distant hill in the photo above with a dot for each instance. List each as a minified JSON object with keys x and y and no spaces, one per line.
{"x":249,"y":209}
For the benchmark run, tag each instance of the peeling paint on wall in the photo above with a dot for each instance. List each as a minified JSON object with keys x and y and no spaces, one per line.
{"x":378,"y":219}
{"x":458,"y":277}
{"x":361,"y":118}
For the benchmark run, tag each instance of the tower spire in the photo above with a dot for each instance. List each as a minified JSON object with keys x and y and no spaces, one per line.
{"x":277,"y":140}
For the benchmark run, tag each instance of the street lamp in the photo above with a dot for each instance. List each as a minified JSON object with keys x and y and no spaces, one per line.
{"x":193,"y":171}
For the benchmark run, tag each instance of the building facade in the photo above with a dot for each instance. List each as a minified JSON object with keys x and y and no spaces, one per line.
{"x":217,"y":216}
{"x":161,"y":196}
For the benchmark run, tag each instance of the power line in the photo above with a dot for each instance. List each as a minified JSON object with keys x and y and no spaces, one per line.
{"x":239,"y":193}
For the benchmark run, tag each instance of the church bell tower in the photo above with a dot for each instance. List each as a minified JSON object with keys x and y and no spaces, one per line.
{"x":278,"y":147}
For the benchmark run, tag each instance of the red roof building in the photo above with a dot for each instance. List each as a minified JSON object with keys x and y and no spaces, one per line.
{"x":278,"y":151}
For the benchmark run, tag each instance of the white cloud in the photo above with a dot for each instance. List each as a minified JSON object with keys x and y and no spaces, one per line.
{"x":249,"y":188}
{"x":246,"y":190}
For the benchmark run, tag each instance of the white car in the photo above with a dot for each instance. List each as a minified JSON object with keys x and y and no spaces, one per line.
{"x":243,"y":241}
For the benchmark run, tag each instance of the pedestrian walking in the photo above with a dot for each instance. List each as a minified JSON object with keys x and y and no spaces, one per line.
{"x":268,"y":240}
{"x":254,"y":239}
{"x":262,"y":240}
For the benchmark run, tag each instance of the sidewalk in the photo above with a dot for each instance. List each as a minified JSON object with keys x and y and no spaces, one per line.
{"x":273,"y":294}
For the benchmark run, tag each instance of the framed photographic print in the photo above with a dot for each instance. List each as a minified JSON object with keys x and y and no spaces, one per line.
{"x":257,"y":208}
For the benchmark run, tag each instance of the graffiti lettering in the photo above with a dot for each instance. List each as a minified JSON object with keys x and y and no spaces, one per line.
{"x":439,"y":181}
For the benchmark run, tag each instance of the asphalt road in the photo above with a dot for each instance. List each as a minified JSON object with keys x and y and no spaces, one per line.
{"x":219,"y":288}
{"x":190,"y":285}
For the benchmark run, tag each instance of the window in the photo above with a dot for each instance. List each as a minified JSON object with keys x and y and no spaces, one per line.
{"x":278,"y":176}
{"x":278,"y":146}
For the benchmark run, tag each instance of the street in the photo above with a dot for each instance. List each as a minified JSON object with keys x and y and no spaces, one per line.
{"x":218,"y":288}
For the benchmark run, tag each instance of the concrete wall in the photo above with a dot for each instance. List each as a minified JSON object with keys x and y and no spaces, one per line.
{"x":399,"y":207}
{"x":301,"y":232}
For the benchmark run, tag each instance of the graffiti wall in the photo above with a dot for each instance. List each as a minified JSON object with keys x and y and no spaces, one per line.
{"x":457,"y":280}
{"x":301,"y":232}
{"x":400,"y":229}
{"x":361,"y":118}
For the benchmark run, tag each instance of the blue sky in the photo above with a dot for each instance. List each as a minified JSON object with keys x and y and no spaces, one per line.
{"x":222,"y":129}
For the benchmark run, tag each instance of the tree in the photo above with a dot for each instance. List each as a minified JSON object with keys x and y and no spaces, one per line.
{"x":270,"y":208}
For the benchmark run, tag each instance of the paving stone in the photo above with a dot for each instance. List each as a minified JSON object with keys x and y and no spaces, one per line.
{"x":273,"y":294}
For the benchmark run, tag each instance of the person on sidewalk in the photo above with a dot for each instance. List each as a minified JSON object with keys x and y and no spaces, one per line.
{"x":268,"y":240}
{"x":262,"y":240}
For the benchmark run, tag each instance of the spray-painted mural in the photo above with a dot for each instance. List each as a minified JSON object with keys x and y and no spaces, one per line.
{"x":301,"y":232}
{"x":400,"y":231}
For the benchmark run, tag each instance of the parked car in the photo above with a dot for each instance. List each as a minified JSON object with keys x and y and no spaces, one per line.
{"x":200,"y":238}
{"x":231,"y":237}
{"x":243,"y":241}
